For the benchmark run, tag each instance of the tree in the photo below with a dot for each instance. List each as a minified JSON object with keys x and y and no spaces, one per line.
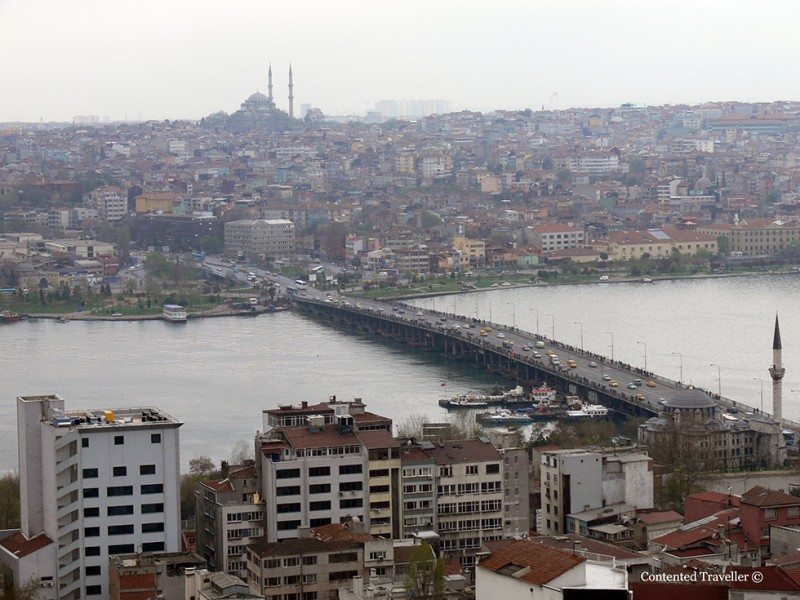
{"x":564,"y":176}
{"x":241,"y":452}
{"x":9,"y":501}
{"x":200,"y":465}
{"x":28,"y":591}
{"x":723,"y":245}
{"x":428,"y":219}
{"x":425,"y":578}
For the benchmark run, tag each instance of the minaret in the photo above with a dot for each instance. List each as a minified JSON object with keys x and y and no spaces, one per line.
{"x":269,"y":81}
{"x":776,"y":371}
{"x":291,"y":93}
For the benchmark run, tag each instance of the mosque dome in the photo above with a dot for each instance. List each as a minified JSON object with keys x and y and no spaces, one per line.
{"x":257,"y":97}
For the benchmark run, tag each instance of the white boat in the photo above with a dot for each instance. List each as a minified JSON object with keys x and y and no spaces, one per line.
{"x":590,"y":411}
{"x":467,"y":403}
{"x":543,"y":394}
{"x":174,"y":313}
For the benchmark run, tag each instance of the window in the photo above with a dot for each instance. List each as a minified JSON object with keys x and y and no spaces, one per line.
{"x":91,"y":512}
{"x":120,"y":471}
{"x":771,"y":513}
{"x":92,"y":550}
{"x":472,"y":469}
{"x":793,"y":511}
{"x":380,"y":473}
{"x":91,"y":532}
{"x":765,"y":532}
{"x":84,"y":442}
{"x":119,"y":490}
{"x":309,"y":560}
{"x":319,"y":522}
{"x":289,"y":507}
{"x":494,"y":468}
{"x":120,"y":529}
{"x":120,"y":549}
{"x":446,"y":471}
{"x":119,"y":440}
{"x":147,"y":469}
{"x":343,"y":557}
{"x":378,"y":489}
{"x":291,"y":490}
{"x":92,"y":571}
{"x":288,"y":525}
{"x":153,"y":488}
{"x":114,"y":511}
{"x":155,"y":438}
{"x":319,"y":471}
{"x":326,"y":505}
{"x":153,"y":547}
{"x":287,"y":473}
{"x":158,"y":507}
{"x":152,"y":527}
{"x":94,"y":590}
{"x":318,"y":488}
{"x":351,"y":503}
{"x":89,"y":473}
{"x":350,"y":469}
{"x":351,"y":486}
{"x":292,"y":561}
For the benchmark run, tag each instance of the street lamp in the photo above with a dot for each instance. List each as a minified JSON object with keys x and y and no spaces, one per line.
{"x":645,"y":353}
{"x":554,"y":325}
{"x":681,"y":355}
{"x":761,"y":381}
{"x":611,"y":333}
{"x":537,"y":320}
{"x":513,"y":313}
{"x":581,"y":324}
{"x":719,"y":378}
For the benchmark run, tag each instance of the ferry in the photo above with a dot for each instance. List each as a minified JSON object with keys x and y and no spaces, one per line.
{"x":503,"y":416}
{"x":512,"y":396}
{"x":174,"y":313}
{"x":590,"y":411}
{"x":466,"y":402}
{"x":541,"y":396}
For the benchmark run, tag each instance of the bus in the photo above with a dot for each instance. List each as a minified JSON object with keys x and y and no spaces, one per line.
{"x":199,"y":256}
{"x":301,"y":285}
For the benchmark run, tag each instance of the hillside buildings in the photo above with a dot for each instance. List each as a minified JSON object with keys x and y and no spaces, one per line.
{"x":260,"y":238}
{"x":93,"y":484}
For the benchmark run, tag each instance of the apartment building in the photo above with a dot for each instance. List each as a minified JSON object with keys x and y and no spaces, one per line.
{"x":111,"y":203}
{"x":93,"y":484}
{"x":260,"y":238}
{"x":472,"y":252}
{"x":419,"y":489}
{"x":576,"y":481}
{"x":469,"y":490}
{"x":415,"y":258}
{"x":146,"y":575}
{"x":330,"y":472}
{"x":304,"y":567}
{"x":592,"y":163}
{"x":229,"y":514}
{"x":551,"y":237}
{"x":517,"y":481}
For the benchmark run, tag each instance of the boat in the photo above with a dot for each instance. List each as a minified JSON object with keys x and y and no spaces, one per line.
{"x":465,"y":402}
{"x":8,"y":317}
{"x":541,"y":395}
{"x":589,"y":411}
{"x":174,"y":313}
{"x":63,"y":319}
{"x":503,"y":416}
{"x":646,"y":280}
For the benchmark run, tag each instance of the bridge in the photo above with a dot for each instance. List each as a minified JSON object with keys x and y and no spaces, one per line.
{"x":501,"y":352}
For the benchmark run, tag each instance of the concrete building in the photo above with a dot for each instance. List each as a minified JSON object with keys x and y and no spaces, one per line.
{"x":229,"y":514}
{"x":260,"y":238}
{"x":93,"y":484}
{"x":204,"y":585}
{"x":551,"y":237}
{"x":763,"y":236}
{"x":145,"y":576}
{"x":111,"y":203}
{"x":657,"y":243}
{"x":472,"y":252}
{"x":320,"y":472}
{"x":517,"y":481}
{"x":419,"y":489}
{"x":469,"y":490}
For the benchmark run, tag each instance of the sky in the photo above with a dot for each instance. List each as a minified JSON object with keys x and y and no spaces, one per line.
{"x":146,"y":59}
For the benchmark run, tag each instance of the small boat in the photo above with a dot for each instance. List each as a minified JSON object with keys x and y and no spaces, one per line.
{"x":590,"y":411}
{"x":504,"y":416}
{"x":463,"y":402}
{"x":63,"y":319}
{"x":174,"y":313}
{"x":9,"y":317}
{"x":646,"y":280}
{"x":540,"y":395}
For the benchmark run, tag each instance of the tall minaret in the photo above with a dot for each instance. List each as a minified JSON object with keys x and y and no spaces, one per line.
{"x":776,"y":371}
{"x":291,"y":93}
{"x":269,"y":81}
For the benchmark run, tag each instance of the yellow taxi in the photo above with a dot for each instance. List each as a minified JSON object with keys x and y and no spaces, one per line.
{"x":651,"y":383}
{"x":613,"y":383}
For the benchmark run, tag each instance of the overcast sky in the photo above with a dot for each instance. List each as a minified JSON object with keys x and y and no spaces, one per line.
{"x":189,"y":58}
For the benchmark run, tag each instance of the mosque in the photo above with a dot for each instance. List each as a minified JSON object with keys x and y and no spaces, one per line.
{"x":257,"y":112}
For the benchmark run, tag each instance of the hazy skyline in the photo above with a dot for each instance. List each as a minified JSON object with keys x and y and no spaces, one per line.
{"x":187,"y":59}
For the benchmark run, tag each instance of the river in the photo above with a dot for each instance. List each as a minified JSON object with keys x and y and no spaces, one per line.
{"x":217,"y":375}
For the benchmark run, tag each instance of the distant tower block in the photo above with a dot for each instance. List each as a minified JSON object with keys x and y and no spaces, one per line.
{"x":291,"y":93}
{"x":776,"y":371}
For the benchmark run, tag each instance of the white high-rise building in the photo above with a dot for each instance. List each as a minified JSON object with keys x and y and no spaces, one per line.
{"x":93,"y":484}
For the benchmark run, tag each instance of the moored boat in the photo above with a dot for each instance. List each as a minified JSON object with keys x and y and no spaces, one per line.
{"x":9,"y":317}
{"x":174,"y":313}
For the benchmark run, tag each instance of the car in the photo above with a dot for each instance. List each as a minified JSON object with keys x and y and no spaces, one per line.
{"x":328,"y":300}
{"x":537,"y":355}
{"x":640,"y":397}
{"x":116,"y":314}
{"x":662,"y":401}
{"x":563,"y":367}
{"x":419,"y":313}
{"x":550,"y":353}
{"x":484,"y":333}
{"x":637,"y":382}
{"x":632,"y":386}
{"x":501,"y":335}
{"x":606,"y":377}
{"x":506,"y":284}
{"x":495,"y":285}
{"x":472,"y":326}
{"x":592,"y":364}
{"x":525,"y":349}
{"x":456,"y":326}
{"x":613,"y":383}
{"x":651,"y":383}
{"x":603,"y":277}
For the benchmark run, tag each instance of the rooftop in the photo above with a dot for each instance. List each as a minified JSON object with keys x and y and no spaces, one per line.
{"x":528,"y":561}
{"x":458,"y":451}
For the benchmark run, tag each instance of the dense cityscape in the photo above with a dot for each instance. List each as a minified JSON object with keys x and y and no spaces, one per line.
{"x":581,"y":475}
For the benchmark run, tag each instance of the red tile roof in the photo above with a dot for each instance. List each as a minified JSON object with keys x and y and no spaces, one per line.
{"x":761,"y":496}
{"x":18,"y":545}
{"x":545,"y":564}
{"x":339,"y":532}
{"x":662,"y":516}
{"x":459,"y":451}
{"x":771,"y":579}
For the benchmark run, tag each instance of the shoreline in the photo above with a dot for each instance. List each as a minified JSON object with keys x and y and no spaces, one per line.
{"x":210,"y":314}
{"x":655,"y":279}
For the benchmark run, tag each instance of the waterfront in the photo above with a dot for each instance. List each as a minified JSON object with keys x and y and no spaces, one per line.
{"x":217,"y":375}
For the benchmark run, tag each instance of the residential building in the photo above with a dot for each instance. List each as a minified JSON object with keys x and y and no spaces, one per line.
{"x":146,"y":575}
{"x":202,"y":584}
{"x":415,"y":258}
{"x":229,"y":513}
{"x":469,"y":491}
{"x":593,"y":163}
{"x":419,"y":488}
{"x":93,"y":484}
{"x":177,"y":232}
{"x":517,"y":481}
{"x":525,"y":570}
{"x":761,"y":508}
{"x":260,"y":238}
{"x":551,"y":237}
{"x":155,"y":202}
{"x":111,"y":203}
{"x":472,"y":252}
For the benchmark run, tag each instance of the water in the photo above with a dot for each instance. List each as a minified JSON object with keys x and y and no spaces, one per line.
{"x":217,"y":375}
{"x":725,"y":321}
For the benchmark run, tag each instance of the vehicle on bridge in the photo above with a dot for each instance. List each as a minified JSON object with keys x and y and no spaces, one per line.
{"x":613,"y":383}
